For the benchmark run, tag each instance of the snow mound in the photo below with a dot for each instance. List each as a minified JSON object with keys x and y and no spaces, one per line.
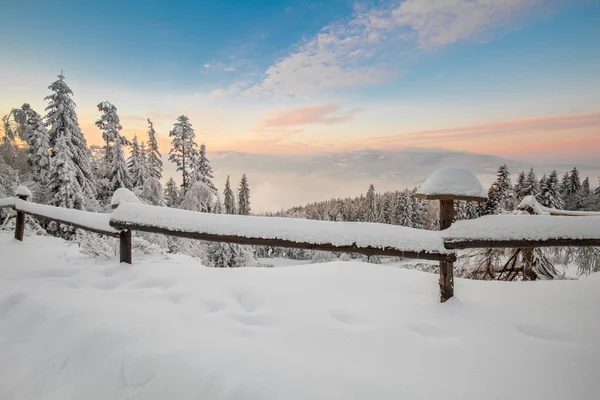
{"x":123,"y":195}
{"x":452,"y":181}
{"x":297,"y":230}
{"x":23,"y":191}
{"x":168,"y":328}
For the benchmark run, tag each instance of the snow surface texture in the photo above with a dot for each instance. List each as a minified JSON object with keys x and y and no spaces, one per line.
{"x":297,"y":230}
{"x":532,"y":203}
{"x":7,"y":202}
{"x":453,"y":181}
{"x":524,"y":227}
{"x":96,"y":221}
{"x":123,"y":195}
{"x":76,"y":328}
{"x":23,"y":191}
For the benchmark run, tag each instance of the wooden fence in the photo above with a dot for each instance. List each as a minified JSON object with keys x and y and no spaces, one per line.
{"x":521,"y":231}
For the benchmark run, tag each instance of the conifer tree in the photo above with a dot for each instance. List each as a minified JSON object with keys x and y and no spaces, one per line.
{"x":61,"y":118}
{"x":136,"y":165}
{"x":371,"y":205}
{"x":586,"y":190}
{"x":119,"y":176}
{"x":144,"y":165}
{"x":202,"y":170}
{"x":171,"y":193}
{"x":500,"y":192}
{"x":386,"y":209}
{"x":64,"y":188}
{"x":218,"y":206}
{"x":549,"y":194}
{"x":155,"y":164}
{"x":520,"y":185}
{"x":574,"y":182}
{"x":244,"y":197}
{"x":407,"y":218}
{"x":39,"y":146}
{"x":531,"y":186}
{"x":152,"y":192}
{"x":564,"y":184}
{"x":229,"y":198}
{"x":183,"y":149}
{"x":110,"y":125}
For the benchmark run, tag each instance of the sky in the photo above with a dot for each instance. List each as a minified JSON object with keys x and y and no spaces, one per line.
{"x":514,"y":78}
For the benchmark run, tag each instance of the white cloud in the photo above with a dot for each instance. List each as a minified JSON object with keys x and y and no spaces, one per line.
{"x":368,"y":48}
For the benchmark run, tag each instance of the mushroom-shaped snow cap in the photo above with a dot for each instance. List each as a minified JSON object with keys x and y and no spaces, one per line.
{"x":122,"y":195}
{"x":452,"y":183}
{"x":23,"y":191}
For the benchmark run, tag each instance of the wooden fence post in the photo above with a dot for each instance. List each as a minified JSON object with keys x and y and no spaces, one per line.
{"x":20,"y":226}
{"x":446,"y":267}
{"x":125,"y":246}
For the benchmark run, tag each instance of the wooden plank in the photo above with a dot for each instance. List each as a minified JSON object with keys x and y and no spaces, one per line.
{"x":449,"y":197}
{"x":455,"y":244}
{"x":369,"y":251}
{"x":446,"y":267}
{"x":20,"y":226}
{"x":101,"y":232}
{"x":125,"y":246}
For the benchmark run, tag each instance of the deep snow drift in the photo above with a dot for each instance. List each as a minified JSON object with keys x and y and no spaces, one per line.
{"x":72,"y":327}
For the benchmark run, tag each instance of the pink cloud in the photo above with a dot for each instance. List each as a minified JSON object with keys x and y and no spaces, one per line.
{"x":321,"y":114}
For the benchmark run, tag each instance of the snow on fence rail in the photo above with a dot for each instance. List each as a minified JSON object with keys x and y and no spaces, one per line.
{"x":8,"y":202}
{"x":355,"y":237}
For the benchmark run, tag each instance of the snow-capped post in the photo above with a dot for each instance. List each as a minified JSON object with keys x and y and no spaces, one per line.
{"x":447,"y":185}
{"x":123,"y":195}
{"x":24,"y":194}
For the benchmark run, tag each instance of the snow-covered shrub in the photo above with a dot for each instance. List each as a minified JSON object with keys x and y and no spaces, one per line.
{"x":322,"y":257}
{"x":345,"y":257}
{"x":228,"y":255}
{"x":152,"y":192}
{"x":198,"y":198}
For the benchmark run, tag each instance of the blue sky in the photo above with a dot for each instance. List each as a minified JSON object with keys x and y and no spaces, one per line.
{"x":503,"y":77}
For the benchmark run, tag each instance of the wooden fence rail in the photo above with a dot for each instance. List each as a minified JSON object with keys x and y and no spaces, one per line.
{"x":517,"y":232}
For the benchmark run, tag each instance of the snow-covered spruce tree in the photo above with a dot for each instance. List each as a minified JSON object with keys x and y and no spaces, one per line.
{"x":136,"y":164}
{"x":218,"y":206}
{"x":62,"y":121}
{"x":229,"y":198}
{"x":183,"y":149}
{"x":110,"y":125}
{"x":152,"y":192}
{"x":587,"y":260}
{"x":199,"y":198}
{"x":564,"y":184}
{"x":171,"y":195}
{"x":531,"y":185}
{"x":386,"y":209}
{"x":520,"y":185}
{"x":155,"y":165}
{"x":500,"y":194}
{"x":119,"y":176}
{"x":371,"y":205}
{"x":202,"y":170}
{"x":586,"y":189}
{"x":39,"y":152}
{"x":244,"y":197}
{"x":408,"y":216}
{"x":572,"y":193}
{"x":64,"y":190}
{"x":549,"y":193}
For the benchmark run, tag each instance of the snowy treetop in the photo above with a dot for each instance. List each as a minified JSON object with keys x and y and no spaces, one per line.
{"x":123,"y":195}
{"x":454,"y":182}
{"x":361,"y":234}
{"x":523,"y":227}
{"x":23,"y":191}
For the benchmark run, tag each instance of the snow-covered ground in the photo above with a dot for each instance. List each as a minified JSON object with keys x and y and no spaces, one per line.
{"x":76,"y":328}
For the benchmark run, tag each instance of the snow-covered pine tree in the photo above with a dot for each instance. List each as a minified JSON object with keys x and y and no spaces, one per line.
{"x":564,"y":184}
{"x":549,"y":193}
{"x":39,"y":149}
{"x":62,"y":120}
{"x":119,"y":176}
{"x":218,"y":206}
{"x":408,"y":216}
{"x":574,"y":182}
{"x":144,"y":165}
{"x":386,"y":209}
{"x":135,"y":164}
{"x":183,"y":149}
{"x":229,"y":198}
{"x":64,"y":188}
{"x":202,"y":170}
{"x":531,"y":185}
{"x":371,"y":205}
{"x":171,"y":193}
{"x":520,"y":185}
{"x":155,"y":164}
{"x":110,"y":125}
{"x":501,"y":193}
{"x":586,"y":189}
{"x":244,"y":197}
{"x":198,"y":197}
{"x":152,"y":192}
